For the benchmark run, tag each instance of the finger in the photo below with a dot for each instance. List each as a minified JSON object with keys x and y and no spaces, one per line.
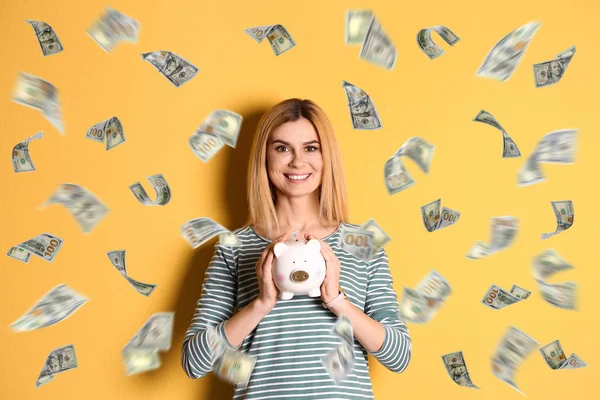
{"x":268,"y":268}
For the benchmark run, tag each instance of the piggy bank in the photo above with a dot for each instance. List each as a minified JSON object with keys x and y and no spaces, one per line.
{"x":299,"y":268}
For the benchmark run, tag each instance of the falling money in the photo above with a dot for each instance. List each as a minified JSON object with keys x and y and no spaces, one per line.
{"x":279,"y":38}
{"x":565,"y":216}
{"x":497,"y":298}
{"x":56,"y":305}
{"x":396,"y":175}
{"x":113,"y":27}
{"x":561,"y":295}
{"x":221,"y":127}
{"x":40,"y":95}
{"x":21,"y":159}
{"x":556,"y":359}
{"x":357,"y":241}
{"x":420,"y":306}
{"x":429,"y":47}
{"x":140,"y":354}
{"x":357,"y":25}
{"x":83,"y":205}
{"x":376,"y":47}
{"x":117,"y":258}
{"x":229,"y":364}
{"x":512,"y":350}
{"x":550,"y":72}
{"x":200,"y":230}
{"x":173,"y":67}
{"x":457,"y":369}
{"x":504,"y":230}
{"x":59,"y":360}
{"x":339,"y":362}
{"x":509,"y":147}
{"x":380,"y":238}
{"x":47,"y":38}
{"x":362,"y":110}
{"x":44,"y":246}
{"x":431,"y":216}
{"x":161,"y":187}
{"x":111,"y":128}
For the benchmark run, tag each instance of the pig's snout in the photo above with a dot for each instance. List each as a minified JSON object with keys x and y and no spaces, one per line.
{"x":299,"y":276}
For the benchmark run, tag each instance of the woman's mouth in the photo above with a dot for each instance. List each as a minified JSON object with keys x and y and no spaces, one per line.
{"x":297,"y":178}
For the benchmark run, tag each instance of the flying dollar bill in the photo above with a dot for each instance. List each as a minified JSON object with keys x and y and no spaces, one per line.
{"x":339,"y":362}
{"x":357,"y":241}
{"x":505,"y":56}
{"x":396,"y":176}
{"x":561,"y":295}
{"x":279,"y":38}
{"x":380,"y":238}
{"x":377,"y":47}
{"x":44,"y":246}
{"x":173,"y":67}
{"x":117,"y":258}
{"x":434,"y":219}
{"x":548,"y":73}
{"x":457,"y":369}
{"x":111,"y":128}
{"x":547,"y":264}
{"x":40,"y":95}
{"x":429,"y":47}
{"x":113,"y":27}
{"x":421,"y":304}
{"x":509,"y":147}
{"x":497,"y":298}
{"x":504,"y":230}
{"x":514,"y":347}
{"x":200,"y":230}
{"x":47,"y":38}
{"x":204,"y":145}
{"x":21,"y":159}
{"x":59,"y":360}
{"x":556,"y":359}
{"x":161,"y":187}
{"x":225,"y":125}
{"x":565,"y":216}
{"x":357,"y":25}
{"x":229,"y":364}
{"x":363,"y":113}
{"x":56,"y":305}
{"x":417,"y":150}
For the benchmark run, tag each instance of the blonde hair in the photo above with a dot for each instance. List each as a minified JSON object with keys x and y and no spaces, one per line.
{"x":262,"y":196}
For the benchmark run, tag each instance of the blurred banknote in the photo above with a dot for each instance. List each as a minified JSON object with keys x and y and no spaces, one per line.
{"x":59,"y":360}
{"x":514,"y":347}
{"x":505,"y":56}
{"x":87,"y":209}
{"x":550,"y":72}
{"x":47,"y":38}
{"x":380,"y":238}
{"x":504,"y":230}
{"x":112,"y":27}
{"x":56,"y":305}
{"x":377,"y":46}
{"x":340,"y":361}
{"x":421,"y":304}
{"x":561,"y":295}
{"x":429,"y":47}
{"x":497,"y":298}
{"x":396,"y":175}
{"x":435,"y":219}
{"x":457,"y":369}
{"x":161,"y":187}
{"x":111,"y":129}
{"x":233,"y":366}
{"x":117,"y":258}
{"x":38,"y":94}
{"x":556,"y":147}
{"x":200,"y":230}
{"x":140,"y":354}
{"x":565,"y":216}
{"x":44,"y":246}
{"x":173,"y":67}
{"x":362,"y":110}
{"x":21,"y":159}
{"x":221,"y":127}
{"x":357,"y":241}
{"x":279,"y":38}
{"x":556,"y":359}
{"x":547,"y":264}
{"x":357,"y":25}
{"x":509,"y":147}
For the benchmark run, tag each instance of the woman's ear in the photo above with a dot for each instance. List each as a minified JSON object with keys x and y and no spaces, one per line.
{"x":279,"y":249}
{"x":314,"y":245}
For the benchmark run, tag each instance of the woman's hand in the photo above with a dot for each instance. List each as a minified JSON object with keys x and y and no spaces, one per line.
{"x":267,"y":291}
{"x":331,"y":284}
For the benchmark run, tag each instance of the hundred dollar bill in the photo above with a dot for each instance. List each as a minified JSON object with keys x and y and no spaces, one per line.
{"x":357,"y":241}
{"x":59,"y":360}
{"x":229,"y":239}
{"x":85,"y":207}
{"x":565,"y":216}
{"x":41,"y":95}
{"x":232,"y":365}
{"x":519,"y":292}
{"x":161,"y":187}
{"x":258,"y":33}
{"x":21,"y":159}
{"x":377,"y":46}
{"x":561,"y":295}
{"x":434,"y":220}
{"x":343,"y":329}
{"x":509,"y":147}
{"x":434,"y":285}
{"x":547,"y":264}
{"x":357,"y":25}
{"x":505,"y":56}
{"x":173,"y":67}
{"x":417,"y":308}
{"x":44,"y":246}
{"x":47,"y":38}
{"x":504,"y":230}
{"x":204,"y":145}
{"x":514,"y":347}
{"x":140,"y":354}
{"x":362,"y":110}
{"x":200,"y":230}
{"x":429,"y":47}
{"x":112,"y":27}
{"x":56,"y":305}
{"x":380,"y":238}
{"x":279,"y":38}
{"x":340,"y":361}
{"x":223,"y":124}
{"x":457,"y":369}
{"x":497,"y":298}
{"x":417,"y":150}
{"x":548,"y":73}
{"x":555,"y":357}
{"x":117,"y":258}
{"x":111,"y":128}
{"x":396,"y":176}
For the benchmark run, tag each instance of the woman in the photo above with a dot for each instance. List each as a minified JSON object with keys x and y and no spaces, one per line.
{"x":296,"y":183}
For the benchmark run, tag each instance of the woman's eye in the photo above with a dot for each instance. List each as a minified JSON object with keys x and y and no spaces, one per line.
{"x":313,"y":148}
{"x":281,"y":147}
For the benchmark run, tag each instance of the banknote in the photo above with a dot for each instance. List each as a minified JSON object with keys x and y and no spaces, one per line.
{"x":113,"y":27}
{"x":56,"y":305}
{"x":340,"y":361}
{"x":509,"y":147}
{"x":497,"y":298}
{"x":117,"y":258}
{"x":418,"y":150}
{"x":548,"y":73}
{"x":258,"y":33}
{"x":59,"y":360}
{"x":233,"y":366}
{"x":173,"y":67}
{"x":200,"y":230}
{"x":363,"y":113}
{"x":161,"y":187}
{"x":41,"y":95}
{"x":86,"y":207}
{"x":204,"y":145}
{"x":514,"y":347}
{"x":547,"y":264}
{"x":377,"y":46}
{"x":224,"y":124}
{"x":565,"y":216}
{"x":46,"y":36}
{"x":279,"y":38}
{"x":505,"y":56}
{"x":434,"y":285}
{"x":380,"y":238}
{"x":343,"y":329}
{"x":457,"y":369}
{"x":561,"y":295}
{"x":357,"y":25}
{"x":519,"y":292}
{"x":21,"y":159}
{"x":111,"y":128}
{"x":357,"y":241}
{"x":229,"y":239}
{"x":503,"y":232}
{"x":396,"y":176}
{"x":556,"y":359}
{"x":421,"y":304}
{"x":44,"y":246}
{"x":429,"y":47}
{"x":434,"y":219}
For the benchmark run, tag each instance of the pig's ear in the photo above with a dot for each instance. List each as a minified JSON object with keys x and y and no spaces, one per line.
{"x":280,"y":248}
{"x":314,"y":245}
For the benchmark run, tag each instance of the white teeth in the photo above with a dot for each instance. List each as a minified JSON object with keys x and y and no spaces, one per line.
{"x":297,"y":177}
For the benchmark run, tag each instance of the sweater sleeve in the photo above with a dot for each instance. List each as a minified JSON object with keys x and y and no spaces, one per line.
{"x":382,"y":306}
{"x":214,"y":308}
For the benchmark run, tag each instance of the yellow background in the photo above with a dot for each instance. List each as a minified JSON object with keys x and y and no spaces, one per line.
{"x":435,"y":99}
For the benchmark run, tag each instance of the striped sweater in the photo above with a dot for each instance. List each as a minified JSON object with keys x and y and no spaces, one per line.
{"x":291,"y":340}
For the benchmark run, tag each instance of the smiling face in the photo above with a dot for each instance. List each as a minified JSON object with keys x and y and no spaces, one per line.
{"x":294,"y":150}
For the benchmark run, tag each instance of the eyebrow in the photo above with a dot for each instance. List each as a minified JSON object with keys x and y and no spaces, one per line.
{"x":286,"y":143}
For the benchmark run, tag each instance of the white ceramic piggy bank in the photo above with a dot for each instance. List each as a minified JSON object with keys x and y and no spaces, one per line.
{"x":299,"y":268}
